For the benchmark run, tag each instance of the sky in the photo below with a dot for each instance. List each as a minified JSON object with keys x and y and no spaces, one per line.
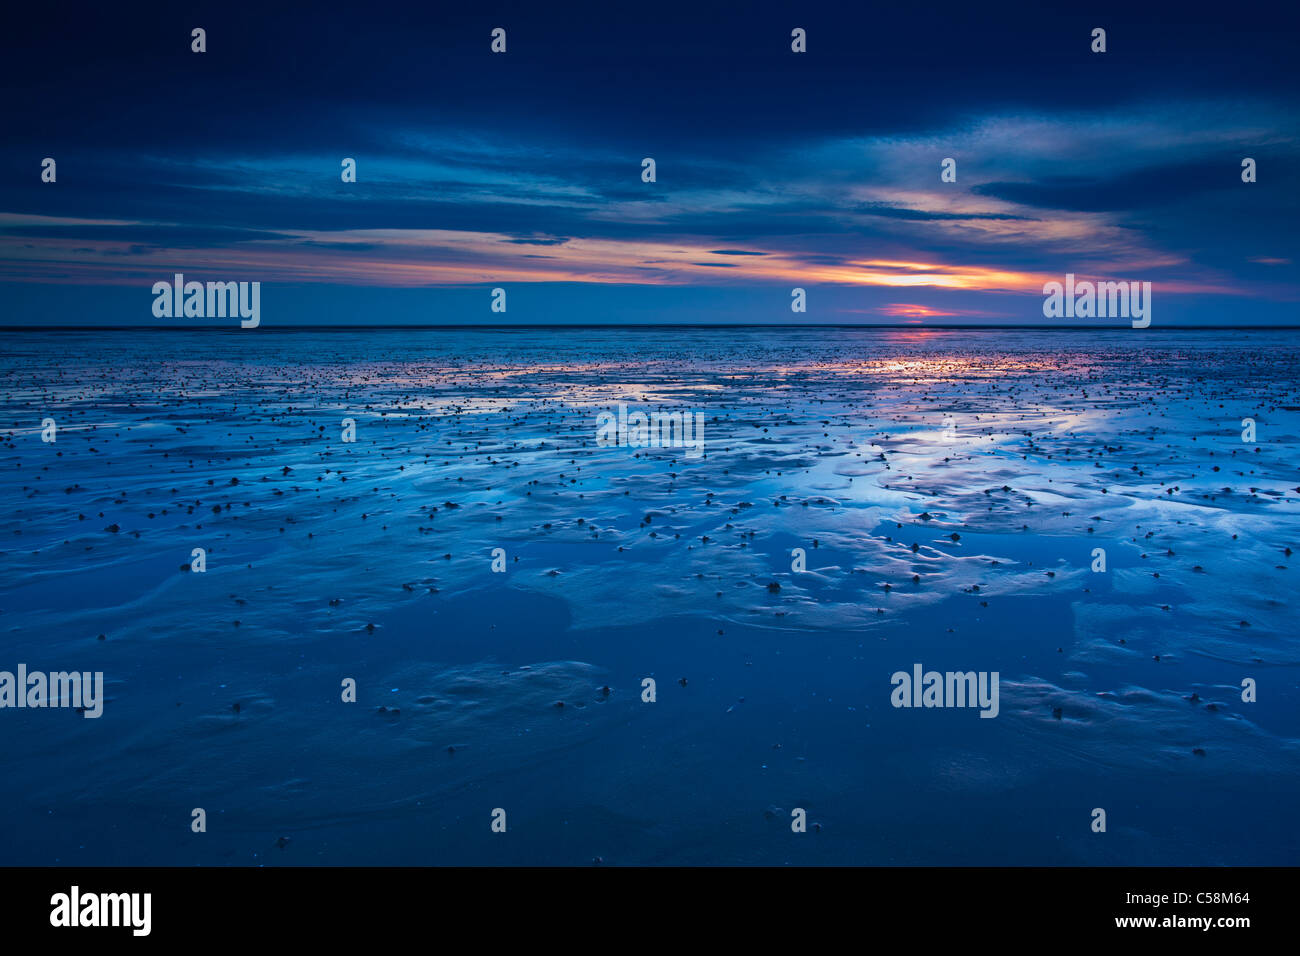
{"x":775,"y":170}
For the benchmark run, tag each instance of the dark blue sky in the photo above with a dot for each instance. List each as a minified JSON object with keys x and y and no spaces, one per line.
{"x":523,"y":170}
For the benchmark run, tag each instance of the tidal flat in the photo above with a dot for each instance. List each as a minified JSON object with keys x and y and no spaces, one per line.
{"x":499,"y":585}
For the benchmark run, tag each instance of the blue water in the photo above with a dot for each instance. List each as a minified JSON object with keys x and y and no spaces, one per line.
{"x":329,"y":560}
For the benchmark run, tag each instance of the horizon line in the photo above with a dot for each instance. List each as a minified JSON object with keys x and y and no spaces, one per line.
{"x":460,"y":326}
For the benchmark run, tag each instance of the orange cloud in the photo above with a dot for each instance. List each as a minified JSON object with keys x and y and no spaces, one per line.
{"x":434,"y":257}
{"x":909,"y":311}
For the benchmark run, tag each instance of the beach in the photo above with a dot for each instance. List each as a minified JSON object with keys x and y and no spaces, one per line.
{"x":499,"y":580}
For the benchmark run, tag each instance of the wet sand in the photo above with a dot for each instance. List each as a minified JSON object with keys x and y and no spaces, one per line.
{"x":947,"y":488}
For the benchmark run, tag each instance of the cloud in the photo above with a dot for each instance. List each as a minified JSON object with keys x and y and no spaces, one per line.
{"x":1144,"y":194}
